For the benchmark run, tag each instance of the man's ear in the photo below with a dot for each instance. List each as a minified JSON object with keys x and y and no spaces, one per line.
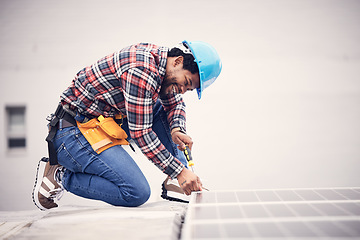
{"x":178,"y":60}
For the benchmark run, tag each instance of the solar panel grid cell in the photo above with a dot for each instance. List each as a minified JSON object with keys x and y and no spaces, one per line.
{"x":267,"y":196}
{"x":299,"y":229}
{"x":350,"y":194}
{"x":309,"y":195}
{"x":329,"y":194}
{"x":236,"y":230}
{"x":353,"y":208}
{"x":226,"y":197}
{"x":247,"y":196}
{"x":206,"y":231}
{"x":205,"y":212}
{"x":230,"y":212}
{"x":210,"y":197}
{"x":268,"y":229}
{"x":278,"y":210}
{"x":330,"y":209}
{"x":304,"y":210}
{"x":288,"y":195}
{"x":328,"y":229}
{"x":352,"y":226}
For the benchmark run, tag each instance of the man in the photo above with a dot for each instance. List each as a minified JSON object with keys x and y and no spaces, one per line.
{"x":142,"y":84}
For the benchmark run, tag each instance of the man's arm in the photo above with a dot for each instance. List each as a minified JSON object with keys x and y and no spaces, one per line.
{"x":138,"y":93}
{"x":175,"y":108}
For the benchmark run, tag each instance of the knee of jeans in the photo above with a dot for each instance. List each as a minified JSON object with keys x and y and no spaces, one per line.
{"x":137,"y":196}
{"x":140,"y":197}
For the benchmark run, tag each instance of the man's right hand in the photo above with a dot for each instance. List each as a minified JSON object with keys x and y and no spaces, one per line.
{"x":181,"y":139}
{"x":189,"y":182}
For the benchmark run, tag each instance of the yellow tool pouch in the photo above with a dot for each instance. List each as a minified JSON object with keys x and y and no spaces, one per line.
{"x":103,"y":133}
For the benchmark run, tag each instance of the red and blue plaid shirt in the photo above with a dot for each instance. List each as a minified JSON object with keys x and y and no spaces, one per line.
{"x":129,"y":82}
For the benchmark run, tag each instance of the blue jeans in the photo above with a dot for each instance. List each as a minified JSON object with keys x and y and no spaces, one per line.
{"x":111,"y":176}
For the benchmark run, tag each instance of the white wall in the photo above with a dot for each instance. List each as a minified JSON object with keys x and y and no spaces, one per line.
{"x":284,"y":112}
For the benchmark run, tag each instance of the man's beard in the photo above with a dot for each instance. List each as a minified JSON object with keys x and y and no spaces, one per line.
{"x":166,"y":85}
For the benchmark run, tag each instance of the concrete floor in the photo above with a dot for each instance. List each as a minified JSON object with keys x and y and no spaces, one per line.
{"x":156,"y":220}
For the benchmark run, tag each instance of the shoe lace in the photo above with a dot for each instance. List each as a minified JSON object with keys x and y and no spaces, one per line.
{"x":58,"y":192}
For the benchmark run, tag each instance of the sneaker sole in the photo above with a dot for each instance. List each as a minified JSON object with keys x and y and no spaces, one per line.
{"x":172,"y":196}
{"x":38,"y":180}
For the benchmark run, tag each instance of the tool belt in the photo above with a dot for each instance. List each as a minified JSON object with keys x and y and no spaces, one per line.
{"x":102,"y":133}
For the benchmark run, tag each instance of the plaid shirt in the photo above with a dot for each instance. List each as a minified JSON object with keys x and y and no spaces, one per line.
{"x":129,"y":82}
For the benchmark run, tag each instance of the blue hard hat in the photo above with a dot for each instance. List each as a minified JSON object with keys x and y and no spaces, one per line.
{"x":208,"y":62}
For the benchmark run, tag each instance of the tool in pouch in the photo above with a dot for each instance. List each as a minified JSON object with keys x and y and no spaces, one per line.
{"x":103,"y":133}
{"x":190,"y":161}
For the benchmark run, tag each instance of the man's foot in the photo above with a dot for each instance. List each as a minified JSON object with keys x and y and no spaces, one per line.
{"x":47,"y":185}
{"x":172,"y":191}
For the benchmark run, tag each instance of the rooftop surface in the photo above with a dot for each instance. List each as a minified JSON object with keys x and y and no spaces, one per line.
{"x":156,"y":220}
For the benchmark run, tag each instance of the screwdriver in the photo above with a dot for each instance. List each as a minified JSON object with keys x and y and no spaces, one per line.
{"x":189,"y":158}
{"x":190,"y":161}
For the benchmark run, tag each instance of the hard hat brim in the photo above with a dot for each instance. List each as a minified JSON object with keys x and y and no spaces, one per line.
{"x":200,"y":89}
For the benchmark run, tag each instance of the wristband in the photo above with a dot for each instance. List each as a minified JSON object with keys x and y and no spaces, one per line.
{"x":177,"y":129}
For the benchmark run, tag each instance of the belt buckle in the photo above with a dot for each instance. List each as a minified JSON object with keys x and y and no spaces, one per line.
{"x":60,"y":123}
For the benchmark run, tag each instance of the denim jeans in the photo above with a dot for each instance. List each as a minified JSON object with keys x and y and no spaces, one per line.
{"x":111,"y":176}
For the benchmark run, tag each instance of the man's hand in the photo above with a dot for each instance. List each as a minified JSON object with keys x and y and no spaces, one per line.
{"x":181,"y":139}
{"x":189,"y":182}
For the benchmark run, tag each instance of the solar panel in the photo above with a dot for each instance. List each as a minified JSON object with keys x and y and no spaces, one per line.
{"x":325,"y":213}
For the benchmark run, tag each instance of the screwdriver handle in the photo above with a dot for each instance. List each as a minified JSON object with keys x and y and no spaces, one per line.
{"x":187,"y":153}
{"x":188,"y":156}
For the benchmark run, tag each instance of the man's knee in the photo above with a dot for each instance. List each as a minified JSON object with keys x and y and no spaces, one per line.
{"x":134,"y":197}
{"x":140,"y":196}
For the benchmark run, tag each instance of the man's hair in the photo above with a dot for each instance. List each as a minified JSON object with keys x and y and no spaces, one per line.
{"x":189,"y":60}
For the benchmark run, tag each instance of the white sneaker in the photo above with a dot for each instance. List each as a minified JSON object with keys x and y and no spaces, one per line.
{"x":48,"y":185}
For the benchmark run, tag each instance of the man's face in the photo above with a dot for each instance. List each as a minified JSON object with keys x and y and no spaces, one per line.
{"x":178,"y":80}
